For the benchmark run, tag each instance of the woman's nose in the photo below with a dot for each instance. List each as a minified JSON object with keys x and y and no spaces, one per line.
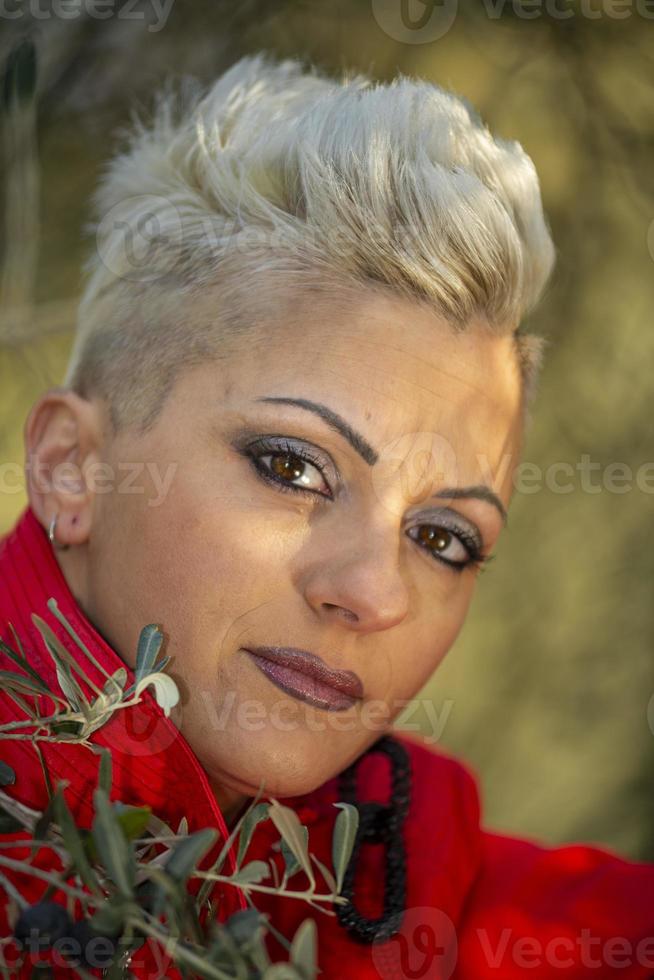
{"x":361,"y":587}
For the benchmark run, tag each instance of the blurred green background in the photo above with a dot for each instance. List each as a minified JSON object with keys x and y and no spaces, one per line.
{"x":546,"y":692}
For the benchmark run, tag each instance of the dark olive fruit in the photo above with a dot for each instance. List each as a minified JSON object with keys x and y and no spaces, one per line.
{"x":95,"y":950}
{"x":43,"y":924}
{"x":145,"y":894}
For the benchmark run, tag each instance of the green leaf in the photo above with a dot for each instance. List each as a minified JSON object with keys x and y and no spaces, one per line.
{"x":7,"y":775}
{"x":304,"y":949}
{"x":20,"y":683}
{"x":282,"y":971}
{"x":109,"y":920}
{"x":105,"y":775}
{"x":111,"y":844}
{"x":8,"y":823}
{"x":326,"y":873}
{"x":345,"y":831}
{"x":189,"y":852}
{"x":57,"y":613}
{"x":44,"y":769}
{"x":132,"y":819}
{"x":149,"y":645}
{"x":22,"y":662}
{"x":166,"y":888}
{"x":243,"y":925}
{"x":26,"y":708}
{"x":69,"y":687}
{"x":208,"y":885}
{"x":65,"y":664}
{"x":294,"y":834}
{"x":114,"y":686}
{"x":291,"y":863}
{"x":251,"y":874}
{"x":42,"y":825}
{"x":74,"y":842}
{"x":66,"y":727}
{"x":254,"y":817}
{"x":186,"y":956}
{"x":166,"y":691}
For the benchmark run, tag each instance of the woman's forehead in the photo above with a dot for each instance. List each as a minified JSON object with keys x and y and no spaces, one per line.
{"x":385,"y":358}
{"x":402,"y":378}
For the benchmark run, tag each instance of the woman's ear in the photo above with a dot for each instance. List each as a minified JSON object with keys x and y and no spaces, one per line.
{"x":63,"y":440}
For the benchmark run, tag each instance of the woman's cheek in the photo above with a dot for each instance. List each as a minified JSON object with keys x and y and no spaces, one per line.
{"x":429,"y":649}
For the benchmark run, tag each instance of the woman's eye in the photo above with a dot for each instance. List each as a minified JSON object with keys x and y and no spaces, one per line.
{"x":293,"y":471}
{"x":445,"y":545}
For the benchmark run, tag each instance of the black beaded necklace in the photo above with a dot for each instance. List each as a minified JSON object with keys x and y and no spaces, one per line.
{"x":378,"y":823}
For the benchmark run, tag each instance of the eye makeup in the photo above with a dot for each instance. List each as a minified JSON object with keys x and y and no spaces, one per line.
{"x":291,"y":449}
{"x":280,"y":460}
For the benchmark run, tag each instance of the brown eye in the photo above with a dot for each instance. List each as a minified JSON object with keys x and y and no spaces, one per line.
{"x":443,"y":544}
{"x":289,"y":468}
{"x":291,"y":472}
{"x":437,"y":538}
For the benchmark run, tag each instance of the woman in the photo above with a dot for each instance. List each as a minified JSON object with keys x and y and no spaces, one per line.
{"x":296,"y":398}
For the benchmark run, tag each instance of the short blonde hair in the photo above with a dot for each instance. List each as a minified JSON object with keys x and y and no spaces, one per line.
{"x":280,"y":177}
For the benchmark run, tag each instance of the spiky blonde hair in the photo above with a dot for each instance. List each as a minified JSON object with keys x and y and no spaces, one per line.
{"x":278,"y":177}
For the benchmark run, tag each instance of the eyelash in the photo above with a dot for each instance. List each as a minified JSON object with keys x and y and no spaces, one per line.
{"x":263,"y":447}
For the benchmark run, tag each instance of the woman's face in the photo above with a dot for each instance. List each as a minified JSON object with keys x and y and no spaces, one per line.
{"x":300,"y":511}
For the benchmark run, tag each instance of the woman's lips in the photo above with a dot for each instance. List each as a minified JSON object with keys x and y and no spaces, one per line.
{"x":307,"y":677}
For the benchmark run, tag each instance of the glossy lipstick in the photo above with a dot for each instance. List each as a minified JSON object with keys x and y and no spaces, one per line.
{"x":307,"y":677}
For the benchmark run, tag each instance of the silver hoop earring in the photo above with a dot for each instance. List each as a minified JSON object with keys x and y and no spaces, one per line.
{"x":51,"y":535}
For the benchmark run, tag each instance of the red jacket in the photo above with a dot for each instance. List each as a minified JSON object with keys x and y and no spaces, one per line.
{"x":480,"y":905}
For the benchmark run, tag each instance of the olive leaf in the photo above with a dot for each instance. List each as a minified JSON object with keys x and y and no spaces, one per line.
{"x":132,"y":819}
{"x":74,"y":842}
{"x":7,"y":774}
{"x":251,"y":874}
{"x":149,"y":645}
{"x":65,"y":664}
{"x":21,"y":661}
{"x":20,"y":683}
{"x":291,"y":863}
{"x":166,"y":691}
{"x":105,"y":775}
{"x":304,"y":949}
{"x":294,"y":834}
{"x":345,"y":832}
{"x":326,"y":873}
{"x":189,"y":852}
{"x":282,"y":971}
{"x":111,"y":844}
{"x":252,"y":818}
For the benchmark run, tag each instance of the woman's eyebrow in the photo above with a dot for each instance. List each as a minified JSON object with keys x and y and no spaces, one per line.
{"x":370,"y":456}
{"x":355,"y":439}
{"x":479,"y":492}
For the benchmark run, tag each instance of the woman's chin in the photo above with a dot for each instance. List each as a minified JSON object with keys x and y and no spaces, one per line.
{"x":294,"y":773}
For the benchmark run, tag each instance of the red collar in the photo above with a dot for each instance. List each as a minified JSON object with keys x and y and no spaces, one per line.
{"x":153,"y":763}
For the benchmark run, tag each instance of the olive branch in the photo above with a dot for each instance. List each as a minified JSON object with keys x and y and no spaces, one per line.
{"x":124,"y":881}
